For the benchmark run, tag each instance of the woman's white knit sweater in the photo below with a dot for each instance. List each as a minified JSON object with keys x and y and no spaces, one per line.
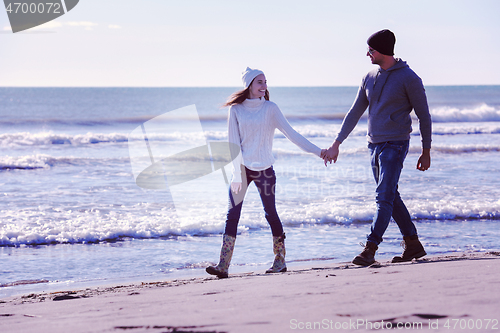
{"x":251,"y":126}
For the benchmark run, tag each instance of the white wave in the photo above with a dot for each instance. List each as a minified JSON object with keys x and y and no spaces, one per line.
{"x":451,"y":210}
{"x":480,"y":113}
{"x":335,"y":210}
{"x":309,"y":131}
{"x":55,"y":225}
{"x":460,"y":149}
{"x":43,"y":161}
{"x":492,"y":128}
{"x":39,"y":161}
{"x":446,"y":149}
{"x":50,"y":138}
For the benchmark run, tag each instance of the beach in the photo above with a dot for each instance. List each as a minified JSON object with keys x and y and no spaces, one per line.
{"x":117,"y":156}
{"x":73,"y":216}
{"x":444,"y":293}
{"x":91,"y":251}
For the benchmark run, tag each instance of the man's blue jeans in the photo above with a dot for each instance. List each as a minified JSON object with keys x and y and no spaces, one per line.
{"x":387,"y":160}
{"x":266,"y":184}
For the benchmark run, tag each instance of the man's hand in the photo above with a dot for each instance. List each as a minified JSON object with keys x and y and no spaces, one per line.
{"x":424,"y":161}
{"x":332,"y":153}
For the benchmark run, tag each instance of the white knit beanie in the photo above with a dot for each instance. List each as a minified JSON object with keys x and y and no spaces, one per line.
{"x":248,"y":75}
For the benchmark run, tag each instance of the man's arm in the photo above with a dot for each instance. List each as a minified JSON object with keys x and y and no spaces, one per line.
{"x":418,"y":100}
{"x":350,"y":121}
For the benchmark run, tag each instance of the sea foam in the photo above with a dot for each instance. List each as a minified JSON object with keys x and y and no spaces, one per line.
{"x":480,"y":113}
{"x":52,"y":225}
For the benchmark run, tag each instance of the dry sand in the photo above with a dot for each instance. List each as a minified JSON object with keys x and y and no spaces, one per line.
{"x":453,"y":293}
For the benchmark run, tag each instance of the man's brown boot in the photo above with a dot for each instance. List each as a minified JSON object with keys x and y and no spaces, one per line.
{"x":413,"y":249}
{"x":367,"y":257}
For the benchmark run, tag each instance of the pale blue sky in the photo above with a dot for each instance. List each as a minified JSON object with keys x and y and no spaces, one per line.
{"x":210,"y":42}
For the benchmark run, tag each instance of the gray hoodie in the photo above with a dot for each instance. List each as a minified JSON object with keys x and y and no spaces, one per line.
{"x":391,"y":95}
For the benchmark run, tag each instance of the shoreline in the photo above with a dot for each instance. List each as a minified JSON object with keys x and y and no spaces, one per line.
{"x":455,"y":288}
{"x":44,"y":286}
{"x":26,"y":287}
{"x":77,"y":266}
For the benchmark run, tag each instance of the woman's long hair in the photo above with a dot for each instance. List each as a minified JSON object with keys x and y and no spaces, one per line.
{"x":240,"y":96}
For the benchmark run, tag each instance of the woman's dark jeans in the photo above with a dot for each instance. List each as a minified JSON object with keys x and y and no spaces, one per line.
{"x":266,"y":184}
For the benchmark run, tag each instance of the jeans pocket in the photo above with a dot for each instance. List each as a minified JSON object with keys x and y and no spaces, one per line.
{"x":401,"y":147}
{"x":397,"y":143}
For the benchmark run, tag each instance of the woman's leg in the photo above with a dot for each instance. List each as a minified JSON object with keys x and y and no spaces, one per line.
{"x":235,"y":203}
{"x":229,"y":237}
{"x":266,"y":183}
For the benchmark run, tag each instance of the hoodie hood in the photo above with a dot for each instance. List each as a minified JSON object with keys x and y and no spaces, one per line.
{"x":382,"y":76}
{"x":399,"y":64}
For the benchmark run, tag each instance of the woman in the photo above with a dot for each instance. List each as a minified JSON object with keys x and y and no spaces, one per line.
{"x":251,"y":124}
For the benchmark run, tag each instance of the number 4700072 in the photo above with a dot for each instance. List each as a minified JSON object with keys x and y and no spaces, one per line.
{"x":25,"y":8}
{"x":471,"y":324}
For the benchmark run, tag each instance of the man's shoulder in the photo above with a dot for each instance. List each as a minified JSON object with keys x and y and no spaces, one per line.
{"x":369,"y":77}
{"x":404,"y":69}
{"x":370,"y":74}
{"x":411,"y":79}
{"x":408,"y":72}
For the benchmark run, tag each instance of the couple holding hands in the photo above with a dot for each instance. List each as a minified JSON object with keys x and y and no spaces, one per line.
{"x":390,"y":92}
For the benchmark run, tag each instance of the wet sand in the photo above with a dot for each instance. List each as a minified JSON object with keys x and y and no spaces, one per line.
{"x":449,"y":293}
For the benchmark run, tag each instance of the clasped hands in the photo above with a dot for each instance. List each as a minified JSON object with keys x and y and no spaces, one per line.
{"x":330,"y":154}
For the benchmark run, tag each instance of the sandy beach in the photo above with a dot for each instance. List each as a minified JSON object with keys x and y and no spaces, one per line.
{"x":449,"y":293}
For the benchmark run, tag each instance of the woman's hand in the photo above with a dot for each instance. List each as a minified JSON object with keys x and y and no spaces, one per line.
{"x":332,"y":153}
{"x":236,"y":187}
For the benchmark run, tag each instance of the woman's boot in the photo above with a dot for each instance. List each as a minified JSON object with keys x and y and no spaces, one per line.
{"x":279,"y":265}
{"x":226,"y":253}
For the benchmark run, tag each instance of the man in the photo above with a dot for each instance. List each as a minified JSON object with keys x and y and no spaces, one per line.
{"x":390,"y":92}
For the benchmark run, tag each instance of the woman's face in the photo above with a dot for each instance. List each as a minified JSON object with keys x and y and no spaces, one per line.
{"x":258,"y":87}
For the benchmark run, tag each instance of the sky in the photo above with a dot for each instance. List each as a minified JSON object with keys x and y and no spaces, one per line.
{"x":208,"y":43}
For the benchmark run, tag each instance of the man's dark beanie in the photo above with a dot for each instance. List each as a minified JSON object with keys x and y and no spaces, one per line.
{"x":383,"y":41}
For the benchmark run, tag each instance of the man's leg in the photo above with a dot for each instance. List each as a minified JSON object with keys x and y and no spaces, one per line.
{"x":402,"y":217}
{"x":413,"y":249}
{"x":387,"y":162}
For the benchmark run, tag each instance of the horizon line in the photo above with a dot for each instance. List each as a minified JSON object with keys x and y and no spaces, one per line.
{"x":237,"y":87}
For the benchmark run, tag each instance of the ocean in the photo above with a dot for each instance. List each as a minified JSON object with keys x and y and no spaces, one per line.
{"x":72,"y":214}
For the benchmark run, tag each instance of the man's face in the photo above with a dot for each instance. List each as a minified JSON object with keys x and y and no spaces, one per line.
{"x":375,"y":56}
